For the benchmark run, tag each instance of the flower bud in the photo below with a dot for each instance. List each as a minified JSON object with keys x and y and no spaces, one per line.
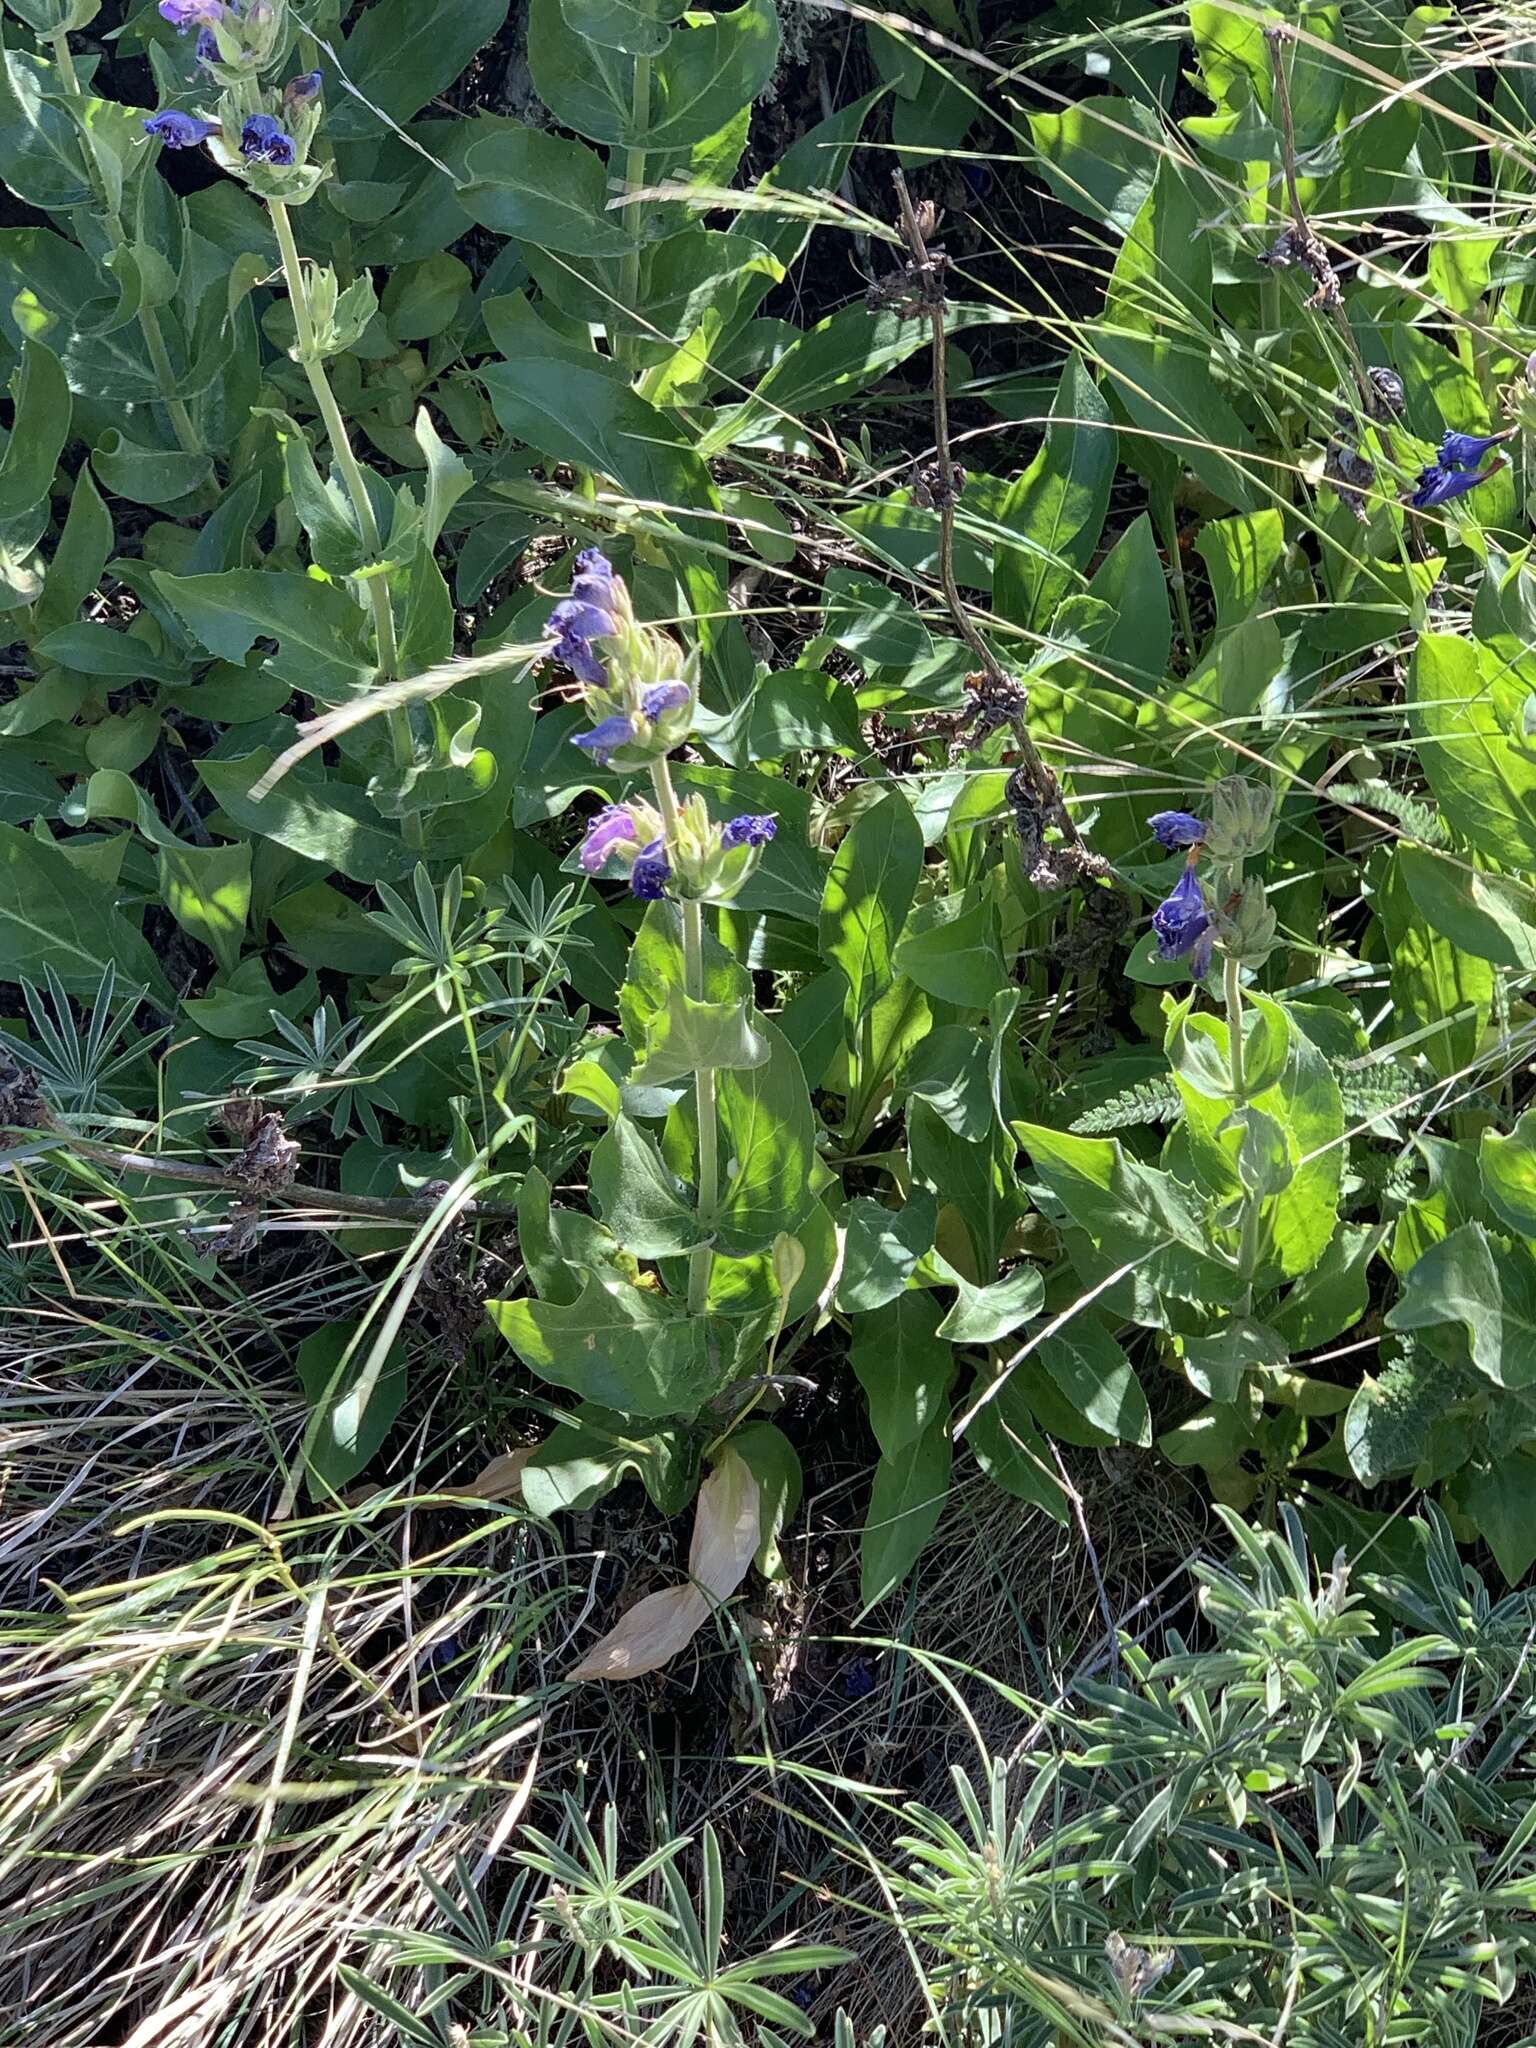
{"x":1247,"y":931}
{"x":1242,"y":819}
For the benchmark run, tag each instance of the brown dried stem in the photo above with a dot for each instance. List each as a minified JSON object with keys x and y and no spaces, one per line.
{"x":393,"y":1208}
{"x":1307,"y":244}
{"x":928,"y":285}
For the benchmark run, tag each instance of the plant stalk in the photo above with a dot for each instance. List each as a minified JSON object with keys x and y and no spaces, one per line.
{"x":1248,"y":1234}
{"x":357,"y":490}
{"x":928,"y":281}
{"x":149,"y":320}
{"x":702,"y":1258}
{"x":634,"y":179}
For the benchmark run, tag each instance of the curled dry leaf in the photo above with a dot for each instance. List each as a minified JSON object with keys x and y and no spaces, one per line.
{"x":725,"y":1536}
{"x":502,"y":1479}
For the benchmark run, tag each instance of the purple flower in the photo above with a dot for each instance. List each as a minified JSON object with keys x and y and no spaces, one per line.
{"x":185,"y":14}
{"x":179,"y":131}
{"x":1466,"y":451}
{"x":604,"y":740}
{"x":1181,"y":920}
{"x":1177,"y":829}
{"x":593,"y":582}
{"x":1438,"y":486}
{"x":610,"y":828}
{"x":301,"y":89}
{"x":662,"y":698}
{"x":207,"y":46}
{"x":264,"y":140}
{"x":648,"y":876}
{"x":748,"y":831}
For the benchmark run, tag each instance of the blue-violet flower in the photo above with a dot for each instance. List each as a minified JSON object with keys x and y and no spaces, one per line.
{"x":1466,"y":451}
{"x":748,"y":831}
{"x":1182,"y":918}
{"x":648,"y":876}
{"x":605,"y":739}
{"x":611,"y":828}
{"x":1177,"y":829}
{"x":662,"y":698}
{"x":301,"y":89}
{"x":1438,"y":486}
{"x":185,"y":14}
{"x":264,"y":140}
{"x":179,"y":131}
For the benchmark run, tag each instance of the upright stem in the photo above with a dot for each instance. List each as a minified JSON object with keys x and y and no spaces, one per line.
{"x":357,"y":490}
{"x":1167,"y":517}
{"x":701,"y":1260}
{"x":634,"y":179}
{"x":149,"y":320}
{"x":1248,"y":1235}
{"x":929,"y":285}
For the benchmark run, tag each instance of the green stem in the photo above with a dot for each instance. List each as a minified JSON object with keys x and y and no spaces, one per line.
{"x":149,"y":320}
{"x":1168,"y":520}
{"x":357,"y":490}
{"x":634,"y":179}
{"x":1248,"y":1235}
{"x":701,"y":1260}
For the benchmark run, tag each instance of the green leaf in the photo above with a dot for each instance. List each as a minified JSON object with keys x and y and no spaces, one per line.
{"x":1100,"y":156}
{"x":1218,"y":1360}
{"x":331,"y":822}
{"x":905,"y":1503}
{"x":323,"y":649}
{"x":709,"y":69}
{"x":400,"y":54}
{"x":834,"y":361}
{"x":1492,"y":916}
{"x":80,"y":556}
{"x":1009,"y":1448}
{"x":870,"y":621}
{"x":867,"y":897}
{"x":1472,"y":1283}
{"x":1119,"y":1202}
{"x":1466,"y":722}
{"x":33,"y":447}
{"x":355,"y":1403}
{"x":686,"y":1036}
{"x":542,"y":188}
{"x":40,"y":152}
{"x":767,"y":1132}
{"x":641,"y":1202}
{"x":799,"y":710}
{"x":1096,"y":1377}
{"x":1501,"y":1500}
{"x":626,"y":1347}
{"x":1054,"y":514}
{"x":881,"y":1248}
{"x":1171,"y":394}
{"x":48,"y":918}
{"x":952,"y":953}
{"x":904,"y":1367}
{"x":976,"y":1179}
{"x":775,"y":1464}
{"x":1508,"y":1167}
{"x":985,"y":1315}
